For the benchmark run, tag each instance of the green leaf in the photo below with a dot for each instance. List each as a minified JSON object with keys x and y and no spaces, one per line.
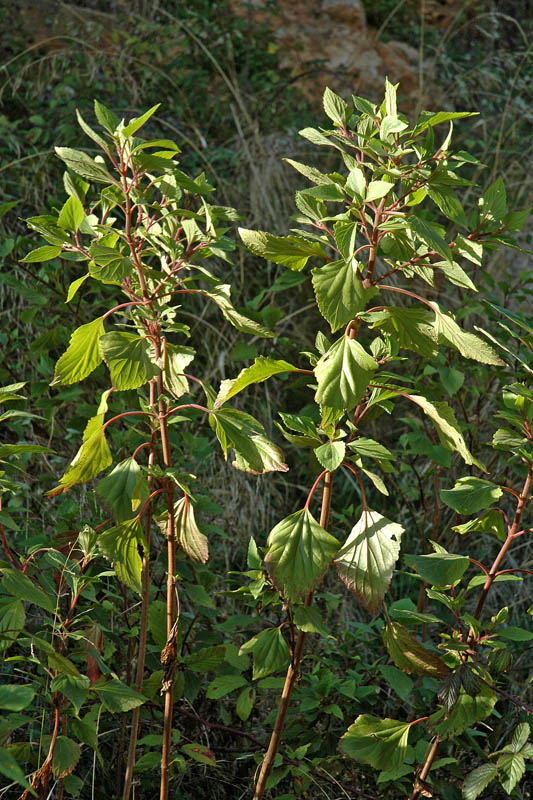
{"x":88,"y":131}
{"x":489,"y":522}
{"x":270,"y":652}
{"x":121,"y":545}
{"x":331,"y":192}
{"x":188,"y":535}
{"x":369,"y":448}
{"x":515,"y":634}
{"x":382,"y":743}
{"x":178,"y":359}
{"x":74,"y":286}
{"x":402,"y":684}
{"x":343,"y":374}
{"x":447,"y":427}
{"x":410,"y":328}
{"x":220,"y":296}
{"x":455,"y":274}
{"x":12,"y":619}
{"x":120,"y":489}
{"x":330,"y":455}
{"x":355,"y":181}
{"x":74,"y":688}
{"x":82,"y":355}
{"x":520,"y":737}
{"x":448,"y":332}
{"x":430,"y":118}
{"x":245,"y":703}
{"x":71,"y":215}
{"x":427,"y":233}
{"x":62,"y":664}
{"x":289,"y":251}
{"x":339,"y":292}
{"x":465,"y":713}
{"x":377,"y":189}
{"x":105,"y":117}
{"x":108,"y":264}
{"x":493,"y":204}
{"x":345,"y":238}
{"x":66,"y":755}
{"x":117,"y":697}
{"x":262,"y":369}
{"x":45,"y":253}
{"x":470,"y":495}
{"x":478,"y":780}
{"x":389,"y":125}
{"x":452,"y":379}
{"x":366,"y":561}
{"x":15,"y":697}
{"x":83,"y":165}
{"x":254,"y":452}
{"x":311,"y":173}
{"x":299,"y":552}
{"x":10,"y":768}
{"x":92,"y":457}
{"x":222,"y":685}
{"x":18,"y":585}
{"x":448,"y":202}
{"x":439,"y":569}
{"x":336,"y":108}
{"x":199,"y":752}
{"x":206,"y":659}
{"x":409,"y":655}
{"x":128,"y":357}
{"x":513,"y":767}
{"x":138,"y":122}
{"x":308,"y":619}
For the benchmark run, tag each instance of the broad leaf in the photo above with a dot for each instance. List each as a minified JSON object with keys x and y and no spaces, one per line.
{"x":120,"y":489}
{"x":382,"y":743}
{"x":339,"y":292}
{"x":12,"y":620}
{"x":427,"y":233}
{"x":513,"y":767}
{"x":45,"y":253}
{"x":121,"y":545}
{"x":71,"y":215}
{"x":83,"y":165}
{"x":369,"y":448}
{"x":82,"y":355}
{"x":14,"y":697}
{"x":117,"y":697}
{"x":262,"y":369}
{"x":178,"y":359}
{"x":465,"y":713}
{"x":377,"y":189}
{"x":245,"y":703}
{"x":76,"y":689}
{"x":409,"y":655}
{"x":108,"y":264}
{"x":366,"y":561}
{"x":270,"y":652}
{"x":138,"y":122}
{"x":447,"y":427}
{"x":448,"y":332}
{"x":330,"y":455}
{"x":12,"y":771}
{"x":489,"y":522}
{"x":446,"y":199}
{"x":439,"y":569}
{"x":128,"y":357}
{"x":478,"y":780}
{"x":17,"y":584}
{"x":222,"y":685}
{"x":188,"y":535}
{"x":335,"y":107}
{"x":206,"y":659}
{"x":299,"y":552}
{"x":220,"y":295}
{"x":289,"y":251}
{"x":470,"y":495}
{"x":254,"y":452}
{"x":343,"y":374}
{"x":410,"y":328}
{"x":66,"y":755}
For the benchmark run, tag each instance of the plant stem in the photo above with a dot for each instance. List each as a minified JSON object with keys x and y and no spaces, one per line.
{"x":294,"y":667}
{"x":424,"y":772}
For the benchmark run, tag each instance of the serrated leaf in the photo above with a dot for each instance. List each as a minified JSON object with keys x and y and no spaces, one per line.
{"x":430,"y":237}
{"x":178,"y":359}
{"x":308,"y":619}
{"x":409,"y":655}
{"x":465,"y":713}
{"x":411,"y":328}
{"x":470,"y":495}
{"x":335,"y":107}
{"x":66,"y":755}
{"x":489,"y":522}
{"x":82,"y":355}
{"x":330,"y":455}
{"x":493,"y":204}
{"x":83,"y":165}
{"x":446,"y":199}
{"x":254,"y":452}
{"x":121,"y":545}
{"x":397,"y":680}
{"x":382,"y":743}
{"x":75,"y":688}
{"x":222,"y":685}
{"x":71,"y":215}
{"x":339,"y":292}
{"x":105,"y":117}
{"x":455,"y":274}
{"x":369,"y":448}
{"x":220,"y":296}
{"x":448,"y":332}
{"x":117,"y":697}
{"x":478,"y":780}
{"x":520,"y":737}
{"x":299,"y":552}
{"x":431,"y":118}
{"x":447,"y":427}
{"x":63,"y":665}
{"x":17,"y":584}
{"x":188,"y":535}
{"x":128,"y":357}
{"x":12,"y":620}
{"x":439,"y":569}
{"x":45,"y":253}
{"x":343,"y":374}
{"x":366,"y":561}
{"x":138,"y":122}
{"x":270,"y":652}
{"x":262,"y":369}
{"x":311,"y":173}
{"x":119,"y":490}
{"x":290,"y":251}
{"x":74,"y":286}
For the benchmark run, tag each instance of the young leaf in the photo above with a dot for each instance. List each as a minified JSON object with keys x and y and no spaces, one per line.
{"x":343,"y":374}
{"x":366,"y":561}
{"x":411,"y":328}
{"x":290,"y":251}
{"x":270,"y":652}
{"x":439,"y":569}
{"x":83,"y":165}
{"x":138,"y":122}
{"x":299,"y":552}
{"x":82,"y":355}
{"x":128,"y":357}
{"x":409,"y":655}
{"x":330,"y":455}
{"x":336,"y":108}
{"x":448,"y":202}
{"x":71,"y":215}
{"x":119,"y":490}
{"x":478,"y":780}
{"x":427,"y":234}
{"x":262,"y":369}
{"x":493,"y":204}
{"x":377,"y":189}
{"x":382,"y":743}
{"x":339,"y":292}
{"x":121,"y":545}
{"x":447,"y":427}
{"x":45,"y":253}
{"x":254,"y":452}
{"x":188,"y":535}
{"x":105,"y":117}
{"x":470,"y":495}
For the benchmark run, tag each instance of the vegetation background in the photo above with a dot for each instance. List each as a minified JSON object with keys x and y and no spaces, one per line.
{"x":234,"y":94}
